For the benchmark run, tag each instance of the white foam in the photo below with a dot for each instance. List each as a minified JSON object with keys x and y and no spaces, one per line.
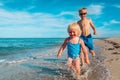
{"x":2,"y":60}
{"x":18,"y":61}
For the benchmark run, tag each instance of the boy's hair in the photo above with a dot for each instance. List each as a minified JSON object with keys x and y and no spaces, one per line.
{"x":74,"y":26}
{"x":82,"y":9}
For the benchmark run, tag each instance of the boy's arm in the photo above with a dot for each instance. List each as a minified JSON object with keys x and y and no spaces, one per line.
{"x":62,"y":48}
{"x":93,"y":27}
{"x":85,"y":52}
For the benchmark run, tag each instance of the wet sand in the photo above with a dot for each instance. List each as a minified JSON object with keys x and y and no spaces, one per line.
{"x":111,"y":52}
{"x":46,"y":66}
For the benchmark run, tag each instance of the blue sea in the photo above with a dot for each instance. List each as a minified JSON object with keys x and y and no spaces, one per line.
{"x":35,"y":59}
{"x":12,"y":49}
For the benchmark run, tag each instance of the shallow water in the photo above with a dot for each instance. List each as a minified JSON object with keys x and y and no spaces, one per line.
{"x":45,"y":66}
{"x":48,"y":67}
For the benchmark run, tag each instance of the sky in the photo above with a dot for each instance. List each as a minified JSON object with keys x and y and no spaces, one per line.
{"x":50,"y":18}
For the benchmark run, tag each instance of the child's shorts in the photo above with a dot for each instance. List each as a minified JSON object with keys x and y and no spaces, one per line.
{"x":88,"y":40}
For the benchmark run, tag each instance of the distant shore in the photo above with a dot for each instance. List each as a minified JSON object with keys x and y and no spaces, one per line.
{"x":111,"y":51}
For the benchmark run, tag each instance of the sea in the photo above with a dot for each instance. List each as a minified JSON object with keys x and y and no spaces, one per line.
{"x":35,"y":59}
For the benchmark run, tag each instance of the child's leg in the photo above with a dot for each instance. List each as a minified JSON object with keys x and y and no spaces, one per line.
{"x":82,"y":58}
{"x":69,"y":63}
{"x":89,"y":43}
{"x":92,"y":52}
{"x":76,"y":63}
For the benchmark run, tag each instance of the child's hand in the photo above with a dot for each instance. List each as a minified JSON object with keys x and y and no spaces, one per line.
{"x":58,"y":55}
{"x":95,"y":33}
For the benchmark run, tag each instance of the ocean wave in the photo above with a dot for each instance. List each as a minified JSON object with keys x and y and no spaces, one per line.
{"x":16,"y":61}
{"x":2,"y":60}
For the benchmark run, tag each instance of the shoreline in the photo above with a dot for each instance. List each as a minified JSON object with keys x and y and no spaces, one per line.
{"x":110,"y":50}
{"x":44,"y":64}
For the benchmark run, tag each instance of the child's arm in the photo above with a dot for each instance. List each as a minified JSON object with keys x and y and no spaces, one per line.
{"x":85,"y":52}
{"x":62,"y":48}
{"x":93,"y":27}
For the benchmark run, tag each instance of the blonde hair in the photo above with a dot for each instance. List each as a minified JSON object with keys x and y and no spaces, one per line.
{"x":74,"y":26}
{"x":80,"y":10}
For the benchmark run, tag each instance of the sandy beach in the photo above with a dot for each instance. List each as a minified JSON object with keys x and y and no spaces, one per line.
{"x":111,"y":52}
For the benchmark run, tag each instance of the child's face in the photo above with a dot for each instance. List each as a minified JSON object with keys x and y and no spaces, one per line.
{"x":83,"y":13}
{"x":73,"y":33}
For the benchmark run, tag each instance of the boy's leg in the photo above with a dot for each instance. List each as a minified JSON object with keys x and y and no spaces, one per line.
{"x":90,"y":45}
{"x":92,"y":52}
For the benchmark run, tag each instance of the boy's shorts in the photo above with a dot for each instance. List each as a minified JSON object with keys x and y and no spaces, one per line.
{"x":88,"y":40}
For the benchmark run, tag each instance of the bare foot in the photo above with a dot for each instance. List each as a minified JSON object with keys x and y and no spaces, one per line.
{"x":87,"y":61}
{"x":93,"y":54}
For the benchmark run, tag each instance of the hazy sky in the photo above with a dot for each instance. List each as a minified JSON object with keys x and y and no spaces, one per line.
{"x":50,"y":18}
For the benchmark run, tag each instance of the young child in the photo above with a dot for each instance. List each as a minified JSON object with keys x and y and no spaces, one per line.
{"x":85,"y":25}
{"x":74,"y":45}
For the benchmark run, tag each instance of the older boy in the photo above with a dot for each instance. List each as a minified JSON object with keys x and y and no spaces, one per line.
{"x":85,"y":25}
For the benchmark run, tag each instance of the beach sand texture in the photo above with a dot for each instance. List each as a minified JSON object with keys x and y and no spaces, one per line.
{"x":111,"y":51}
